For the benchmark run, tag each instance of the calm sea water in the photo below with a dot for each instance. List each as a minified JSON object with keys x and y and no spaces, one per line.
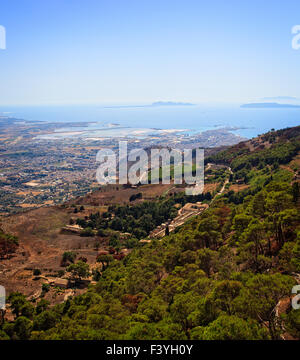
{"x":250,"y":122}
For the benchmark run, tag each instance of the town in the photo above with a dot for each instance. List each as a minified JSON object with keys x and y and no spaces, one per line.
{"x":37,"y":170}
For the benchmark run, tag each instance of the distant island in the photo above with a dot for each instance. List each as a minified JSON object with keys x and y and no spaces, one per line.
{"x":268,"y":106}
{"x":155,"y":104}
{"x":170,"y":103}
{"x":280,"y":98}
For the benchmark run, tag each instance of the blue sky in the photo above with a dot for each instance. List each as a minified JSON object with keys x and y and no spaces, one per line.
{"x":136,"y":51}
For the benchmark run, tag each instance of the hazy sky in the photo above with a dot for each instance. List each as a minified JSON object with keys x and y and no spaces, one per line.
{"x":109,"y":51}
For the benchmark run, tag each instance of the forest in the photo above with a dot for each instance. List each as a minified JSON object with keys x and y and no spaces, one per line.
{"x":139,"y":219}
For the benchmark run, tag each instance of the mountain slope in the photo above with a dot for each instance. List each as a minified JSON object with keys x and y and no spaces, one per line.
{"x":224,"y":275}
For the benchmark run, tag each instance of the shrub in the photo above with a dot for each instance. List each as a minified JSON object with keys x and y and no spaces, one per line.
{"x":37,"y":272}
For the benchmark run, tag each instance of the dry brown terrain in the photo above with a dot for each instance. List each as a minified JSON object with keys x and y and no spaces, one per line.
{"x":238,"y":187}
{"x":42,"y":243}
{"x":41,"y":247}
{"x":116,"y":194}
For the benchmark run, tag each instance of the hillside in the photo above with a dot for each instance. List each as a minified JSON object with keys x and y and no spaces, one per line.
{"x":226,"y":274}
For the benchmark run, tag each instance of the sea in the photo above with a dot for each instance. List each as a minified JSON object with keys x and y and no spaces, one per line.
{"x":192,"y":119}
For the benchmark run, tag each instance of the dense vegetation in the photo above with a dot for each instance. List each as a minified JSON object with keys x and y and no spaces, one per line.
{"x":221,"y":276}
{"x":139,"y":219}
{"x":8,"y":244}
